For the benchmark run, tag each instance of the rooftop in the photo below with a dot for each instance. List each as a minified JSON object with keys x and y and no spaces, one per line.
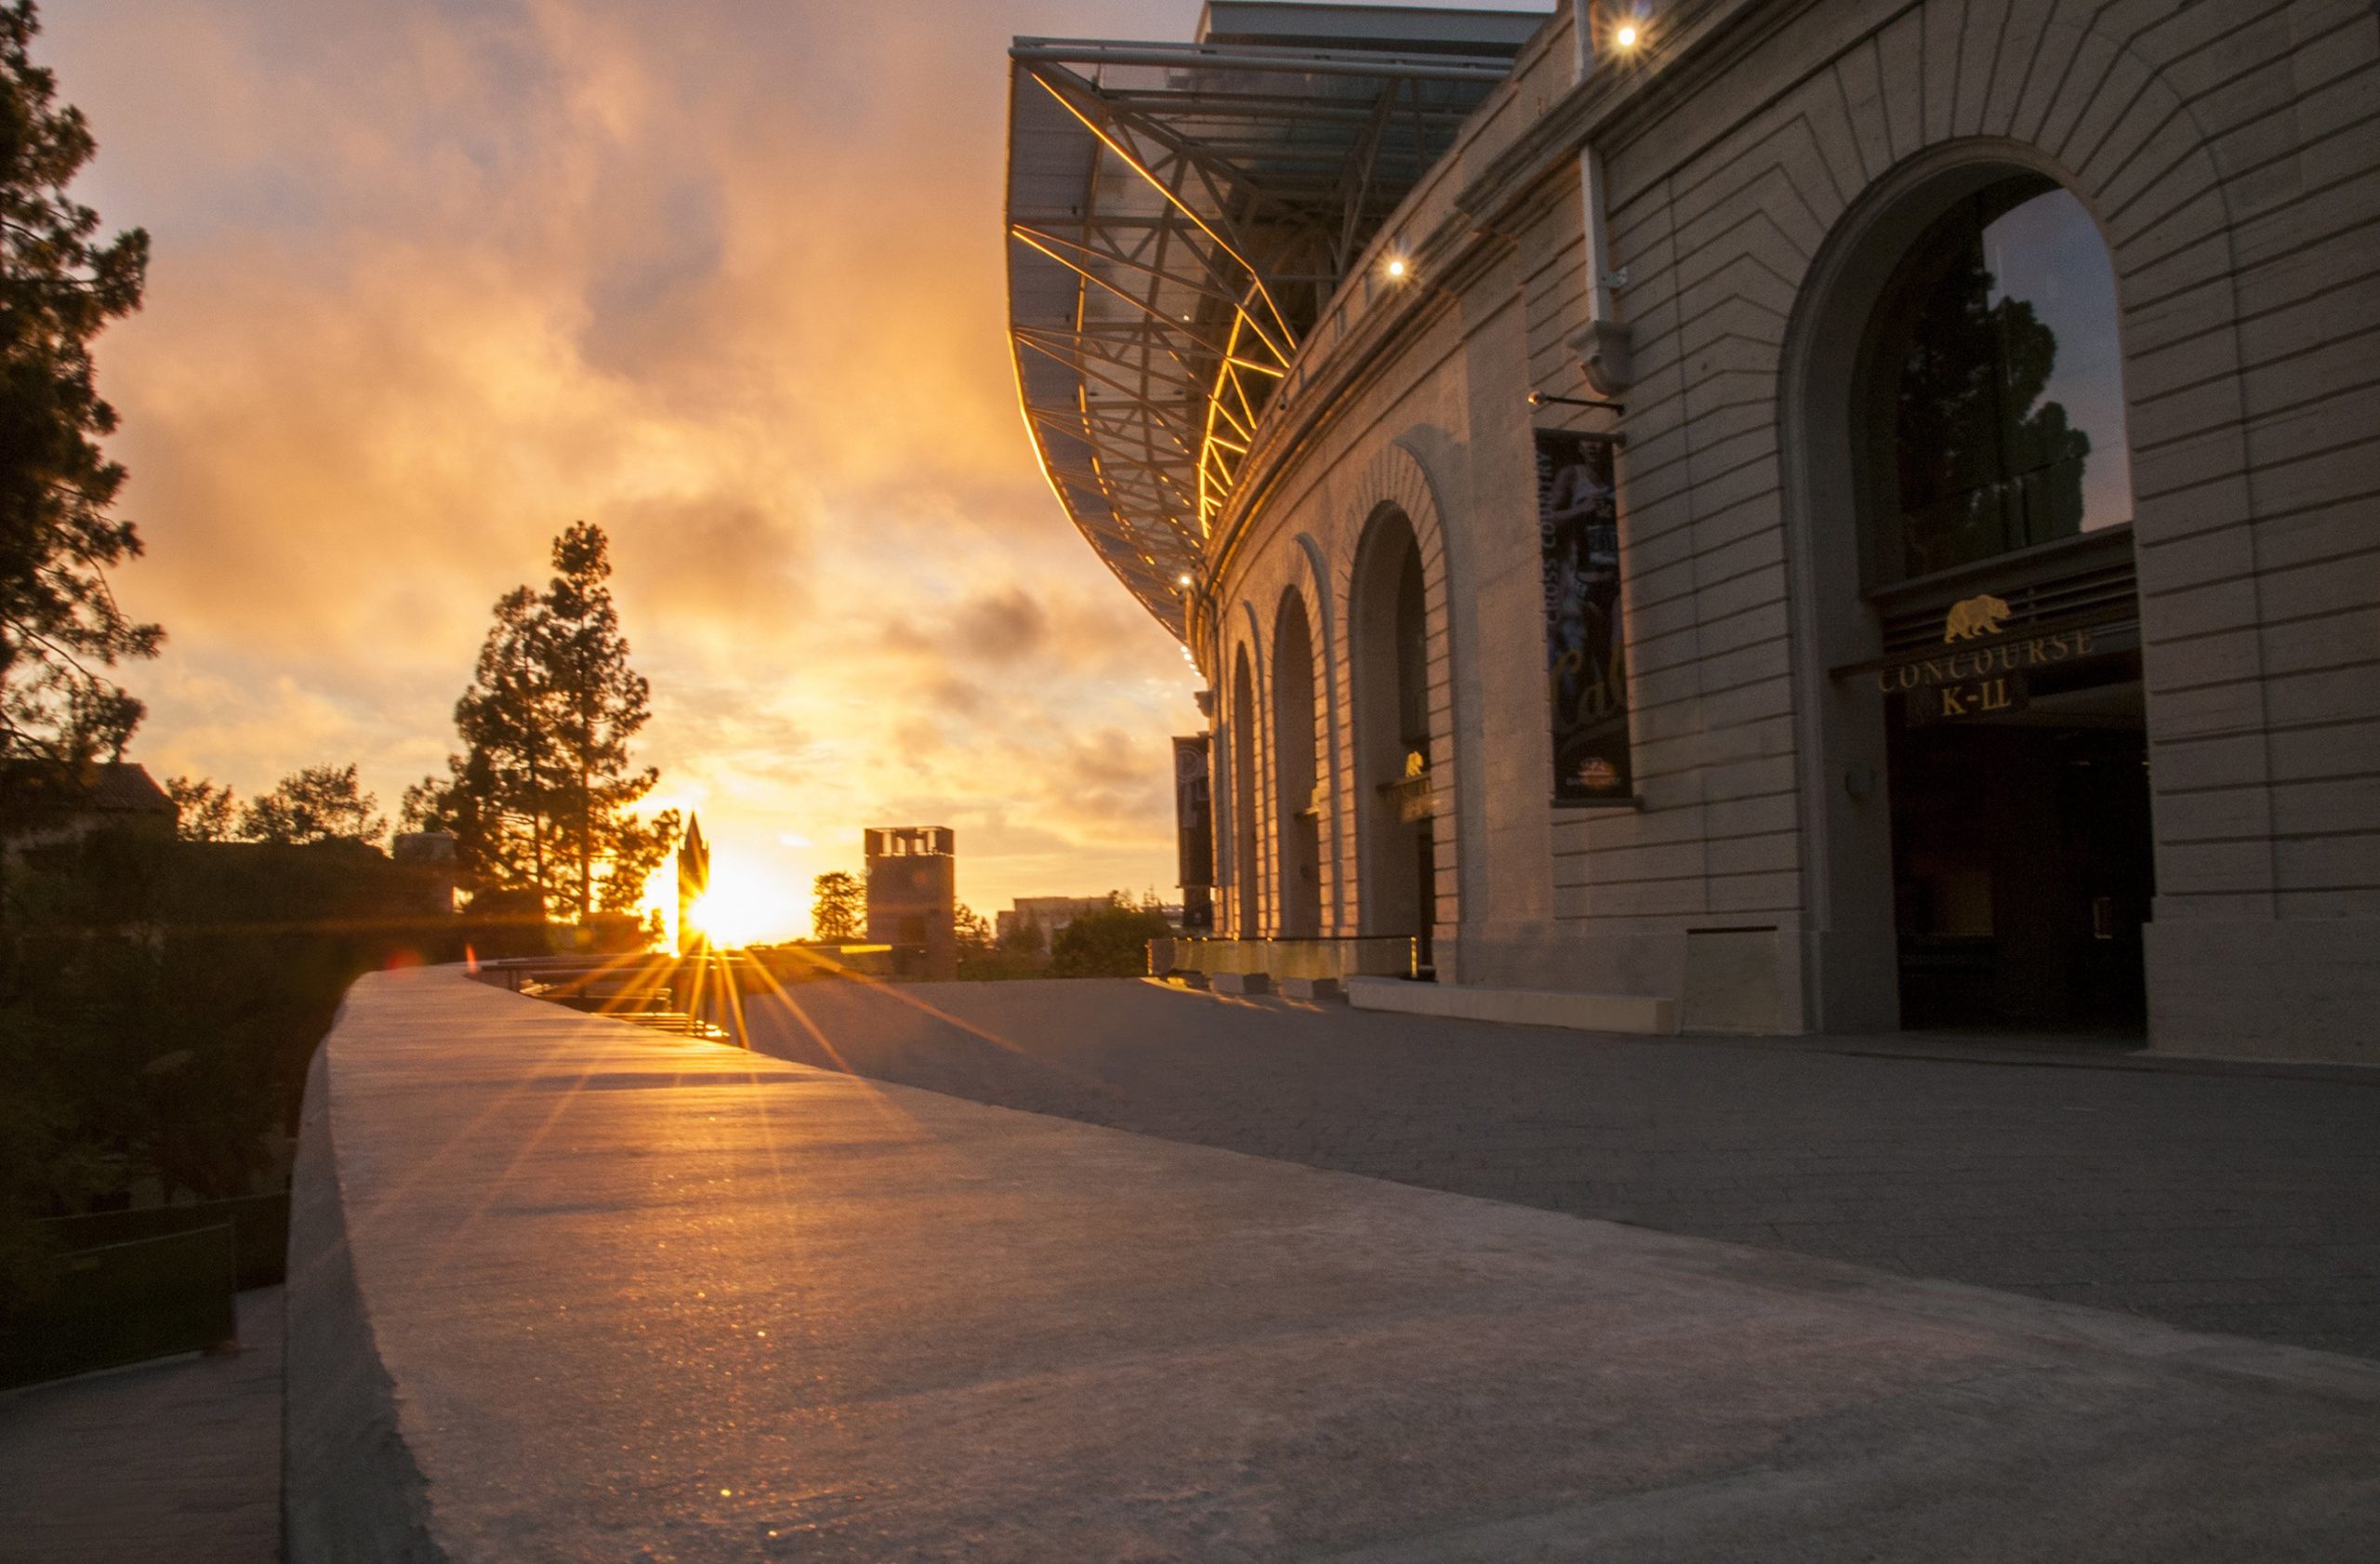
{"x":1178,"y":216}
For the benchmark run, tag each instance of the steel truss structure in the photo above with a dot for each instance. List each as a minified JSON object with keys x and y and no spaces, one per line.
{"x":1178,"y":216}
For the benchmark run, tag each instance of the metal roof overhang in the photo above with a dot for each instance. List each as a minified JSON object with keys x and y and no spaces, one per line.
{"x":1178,"y":216}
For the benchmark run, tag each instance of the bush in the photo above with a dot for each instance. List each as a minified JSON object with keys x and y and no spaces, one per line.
{"x":1002,"y":966}
{"x":160,"y":1002}
{"x":1113,"y":942}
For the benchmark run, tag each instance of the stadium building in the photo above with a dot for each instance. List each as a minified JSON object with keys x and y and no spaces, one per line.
{"x":1758,"y":515}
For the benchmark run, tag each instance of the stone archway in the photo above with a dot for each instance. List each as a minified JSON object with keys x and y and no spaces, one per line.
{"x":1388,"y":650}
{"x":1297,"y":815}
{"x":1952,"y":833}
{"x":1245,"y":925}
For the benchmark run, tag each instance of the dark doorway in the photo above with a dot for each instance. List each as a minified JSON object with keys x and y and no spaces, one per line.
{"x":1243,"y":799}
{"x":1296,"y":811}
{"x":1394,"y":791}
{"x":2022,"y":866}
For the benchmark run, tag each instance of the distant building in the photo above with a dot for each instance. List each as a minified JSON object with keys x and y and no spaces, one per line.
{"x":912,"y":894}
{"x":1047,"y":914}
{"x":694,"y":879}
{"x":431,"y":856}
{"x":116,"y":796}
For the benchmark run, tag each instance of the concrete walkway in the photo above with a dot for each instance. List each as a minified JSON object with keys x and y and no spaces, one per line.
{"x":2245,"y":1202}
{"x":580,"y":1292}
{"x":178,"y":1460}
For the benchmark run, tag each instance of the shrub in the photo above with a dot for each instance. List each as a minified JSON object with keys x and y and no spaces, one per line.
{"x":1110,"y":943}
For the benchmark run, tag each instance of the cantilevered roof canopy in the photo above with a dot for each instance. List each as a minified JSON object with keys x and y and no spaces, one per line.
{"x":1178,"y":214}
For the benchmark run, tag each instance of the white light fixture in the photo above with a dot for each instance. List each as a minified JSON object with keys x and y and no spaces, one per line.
{"x":1398,"y":268}
{"x":1182,"y":579}
{"x":1626,"y":35}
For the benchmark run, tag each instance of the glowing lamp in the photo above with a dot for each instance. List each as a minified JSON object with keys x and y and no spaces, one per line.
{"x":1397,"y":268}
{"x":1182,"y":579}
{"x":1626,"y":36}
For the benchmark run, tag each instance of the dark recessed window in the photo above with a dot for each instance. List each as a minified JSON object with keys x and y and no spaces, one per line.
{"x":1994,"y":384}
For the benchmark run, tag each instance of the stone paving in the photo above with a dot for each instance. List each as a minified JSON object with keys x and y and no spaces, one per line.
{"x":178,"y":1460}
{"x":2243,"y":1201}
{"x":567,"y":1289}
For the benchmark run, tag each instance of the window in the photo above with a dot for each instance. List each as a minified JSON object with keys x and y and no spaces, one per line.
{"x":1994,"y":384}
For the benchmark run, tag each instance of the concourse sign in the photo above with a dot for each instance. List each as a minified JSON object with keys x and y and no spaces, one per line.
{"x":1982,"y":670}
{"x":1975,"y":698}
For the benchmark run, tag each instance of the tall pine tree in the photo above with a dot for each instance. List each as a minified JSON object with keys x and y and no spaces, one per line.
{"x":60,"y":630}
{"x":599,"y":703}
{"x":539,"y":801}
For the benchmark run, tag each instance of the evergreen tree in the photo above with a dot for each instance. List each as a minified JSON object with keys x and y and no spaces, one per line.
{"x":59,"y":625}
{"x":503,"y":781}
{"x":539,"y":801}
{"x":598,"y":704}
{"x":837,"y":906}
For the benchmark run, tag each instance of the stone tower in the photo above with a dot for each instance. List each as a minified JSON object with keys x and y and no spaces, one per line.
{"x":694,"y":879}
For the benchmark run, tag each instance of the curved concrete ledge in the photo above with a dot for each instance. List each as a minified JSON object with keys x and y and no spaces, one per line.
{"x":561,"y":1289}
{"x":349,"y":1488}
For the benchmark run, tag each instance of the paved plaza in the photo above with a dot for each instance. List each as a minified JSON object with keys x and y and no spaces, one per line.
{"x":567,"y":1288}
{"x":2239,"y":1201}
{"x":178,"y":1460}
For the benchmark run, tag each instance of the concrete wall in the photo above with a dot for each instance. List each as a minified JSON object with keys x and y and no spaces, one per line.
{"x":350,"y":1489}
{"x":2229,"y":156}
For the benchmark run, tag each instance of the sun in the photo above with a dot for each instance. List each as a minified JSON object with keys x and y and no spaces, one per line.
{"x":725,"y":920}
{"x":741,"y":907}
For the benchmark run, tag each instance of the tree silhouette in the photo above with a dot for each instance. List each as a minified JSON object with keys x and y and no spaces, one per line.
{"x":837,"y":906}
{"x":59,"y":625}
{"x":204,"y":811}
{"x":320,"y":803}
{"x":1985,"y":465}
{"x":599,"y":703}
{"x":1026,"y":935}
{"x":1112,"y":942}
{"x":540,"y":800}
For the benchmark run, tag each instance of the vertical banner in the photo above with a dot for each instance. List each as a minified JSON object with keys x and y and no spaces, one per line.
{"x":1193,"y":812}
{"x":1578,"y":525}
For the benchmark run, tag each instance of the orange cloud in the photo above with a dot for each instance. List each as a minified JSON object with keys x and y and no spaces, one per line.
{"x":432,"y":282}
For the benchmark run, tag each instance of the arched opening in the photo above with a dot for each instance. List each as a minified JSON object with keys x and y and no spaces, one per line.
{"x":1396,"y":884}
{"x":1982,"y":807}
{"x":1243,"y":799}
{"x":1296,"y":811}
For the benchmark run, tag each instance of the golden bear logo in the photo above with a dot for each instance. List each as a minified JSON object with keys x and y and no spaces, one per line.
{"x":1976,"y":616}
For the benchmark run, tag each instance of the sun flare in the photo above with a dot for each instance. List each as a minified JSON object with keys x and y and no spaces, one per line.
{"x":741,"y":907}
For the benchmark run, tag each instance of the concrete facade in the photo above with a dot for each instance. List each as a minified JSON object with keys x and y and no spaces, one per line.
{"x":1759,"y":160}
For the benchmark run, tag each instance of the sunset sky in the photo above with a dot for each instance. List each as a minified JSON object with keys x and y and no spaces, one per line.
{"x":431,"y":281}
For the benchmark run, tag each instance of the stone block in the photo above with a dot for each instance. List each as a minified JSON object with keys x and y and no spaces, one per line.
{"x":1243,"y":983}
{"x":2213,"y":985}
{"x":1317,"y":989}
{"x":1588,"y":1012}
{"x":1731,"y":980}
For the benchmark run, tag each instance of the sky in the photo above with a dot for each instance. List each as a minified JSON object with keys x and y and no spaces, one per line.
{"x":434,"y":281}
{"x":2048,"y":253}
